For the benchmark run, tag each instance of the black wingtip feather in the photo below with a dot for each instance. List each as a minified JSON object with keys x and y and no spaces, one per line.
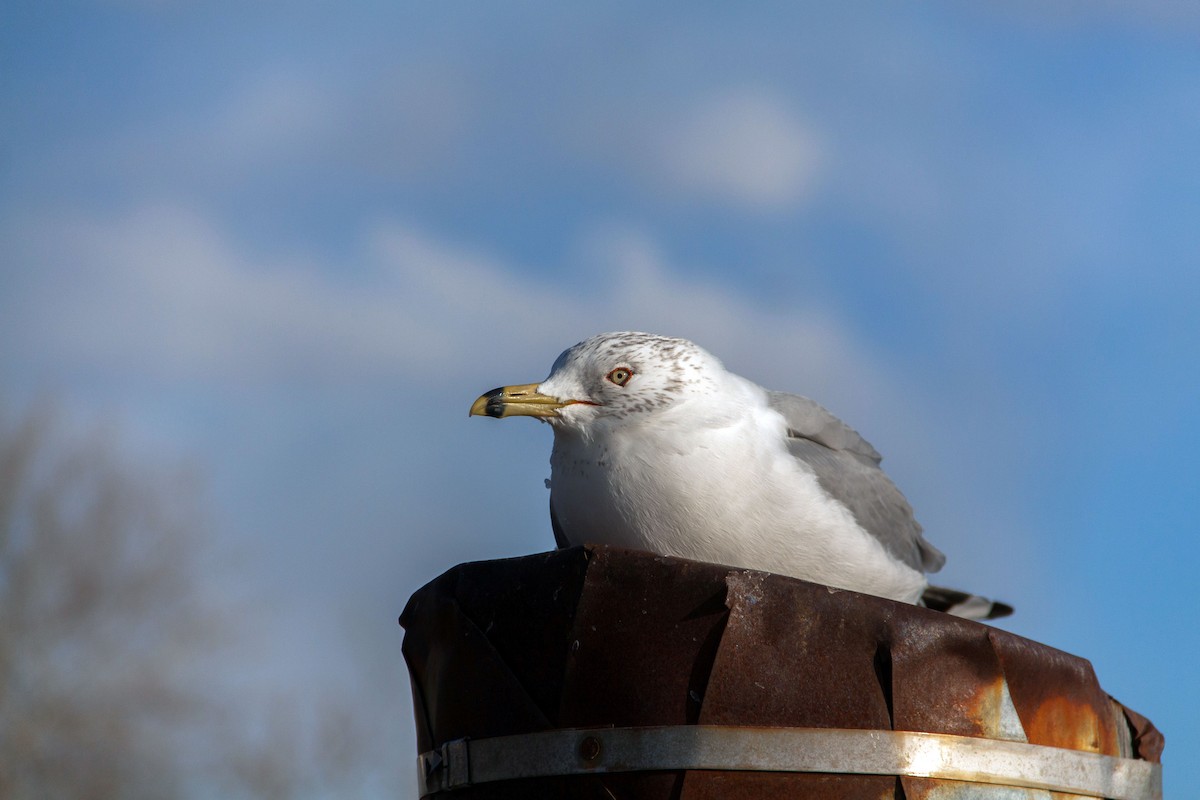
{"x":963,"y":604}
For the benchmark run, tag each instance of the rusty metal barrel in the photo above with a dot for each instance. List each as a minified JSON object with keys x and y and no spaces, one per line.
{"x":595,"y":672}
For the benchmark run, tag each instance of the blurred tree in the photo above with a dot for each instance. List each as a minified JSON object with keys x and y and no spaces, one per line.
{"x":100,"y":615}
{"x":111,"y":638}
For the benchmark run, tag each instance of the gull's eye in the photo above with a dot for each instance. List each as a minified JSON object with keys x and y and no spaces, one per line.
{"x":620,"y":376}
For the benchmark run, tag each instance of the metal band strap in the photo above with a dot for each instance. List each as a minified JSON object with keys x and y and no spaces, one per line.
{"x":585,"y":751}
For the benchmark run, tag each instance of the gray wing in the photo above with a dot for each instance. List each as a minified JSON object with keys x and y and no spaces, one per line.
{"x":847,"y":467}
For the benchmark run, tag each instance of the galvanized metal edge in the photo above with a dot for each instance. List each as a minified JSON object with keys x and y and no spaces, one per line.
{"x":583,"y":751}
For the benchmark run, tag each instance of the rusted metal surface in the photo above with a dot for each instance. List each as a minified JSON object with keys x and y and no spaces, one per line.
{"x":599,"y":636}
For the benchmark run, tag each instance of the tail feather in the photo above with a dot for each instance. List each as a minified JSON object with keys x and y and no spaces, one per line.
{"x":963,"y":604}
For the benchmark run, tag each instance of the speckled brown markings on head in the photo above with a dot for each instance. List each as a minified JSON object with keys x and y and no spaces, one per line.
{"x":663,"y":367}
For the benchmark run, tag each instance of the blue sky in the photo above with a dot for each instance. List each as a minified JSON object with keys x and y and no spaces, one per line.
{"x":290,"y":243}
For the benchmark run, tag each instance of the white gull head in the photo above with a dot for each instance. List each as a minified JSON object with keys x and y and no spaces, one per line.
{"x":624,"y":379}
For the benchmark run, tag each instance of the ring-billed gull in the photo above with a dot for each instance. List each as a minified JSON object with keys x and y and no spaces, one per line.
{"x":658,"y":447}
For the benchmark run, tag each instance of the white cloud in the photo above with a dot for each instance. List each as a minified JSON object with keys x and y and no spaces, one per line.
{"x":745,"y":148}
{"x":274,"y":118}
{"x":163,"y":293}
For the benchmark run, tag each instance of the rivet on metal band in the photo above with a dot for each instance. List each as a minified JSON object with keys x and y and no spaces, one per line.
{"x":581,"y":751}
